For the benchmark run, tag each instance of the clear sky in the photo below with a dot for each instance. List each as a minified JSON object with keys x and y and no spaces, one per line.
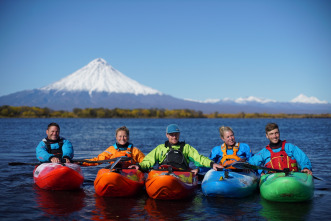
{"x":196,"y":49}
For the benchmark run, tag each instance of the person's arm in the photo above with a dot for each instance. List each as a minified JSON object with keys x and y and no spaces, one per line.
{"x":247,"y":151}
{"x":194,"y":156}
{"x":151,"y":158}
{"x":68,"y":151}
{"x":258,"y":159}
{"x":137,"y":155}
{"x":105,"y":155}
{"x":216,"y":154}
{"x":42,"y":154}
{"x":301,"y":158}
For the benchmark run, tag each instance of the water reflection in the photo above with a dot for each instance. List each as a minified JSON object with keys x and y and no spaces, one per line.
{"x":59,"y":203}
{"x":285,"y":211}
{"x":167,"y":209}
{"x":233,"y":208}
{"x":110,"y":208}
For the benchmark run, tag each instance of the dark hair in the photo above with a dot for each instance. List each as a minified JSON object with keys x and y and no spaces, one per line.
{"x":53,"y":124}
{"x":270,"y":127}
{"x":123,"y":128}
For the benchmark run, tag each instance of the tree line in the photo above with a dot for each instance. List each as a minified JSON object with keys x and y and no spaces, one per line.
{"x":7,"y":111}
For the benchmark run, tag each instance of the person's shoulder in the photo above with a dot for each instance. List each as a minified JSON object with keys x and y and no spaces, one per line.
{"x":263,"y":150}
{"x":243,"y":144}
{"x":162,"y":145}
{"x":42,"y":142}
{"x":216,"y":148}
{"x":290,"y":145}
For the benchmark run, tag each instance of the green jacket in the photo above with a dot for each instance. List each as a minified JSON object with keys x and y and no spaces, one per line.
{"x":158,"y":154}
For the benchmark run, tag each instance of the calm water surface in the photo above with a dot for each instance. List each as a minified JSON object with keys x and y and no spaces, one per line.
{"x":22,"y":200}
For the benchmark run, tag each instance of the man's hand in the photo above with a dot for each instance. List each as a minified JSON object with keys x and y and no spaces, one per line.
{"x":307,"y":171}
{"x":217,"y":166}
{"x":195,"y":171}
{"x":55,"y":160}
{"x":134,"y":166}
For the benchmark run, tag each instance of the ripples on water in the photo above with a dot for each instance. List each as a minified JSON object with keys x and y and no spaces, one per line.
{"x":22,"y":200}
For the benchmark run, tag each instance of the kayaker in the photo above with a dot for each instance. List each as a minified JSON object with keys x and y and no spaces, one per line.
{"x":280,"y":154}
{"x":230,"y":151}
{"x":175,"y":153}
{"x":54,"y":148}
{"x":122,"y":147}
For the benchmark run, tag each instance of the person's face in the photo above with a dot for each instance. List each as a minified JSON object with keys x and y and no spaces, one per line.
{"x":121,"y":137}
{"x":53,"y":133}
{"x":228,"y":138}
{"x":273,"y":136}
{"x":173,"y":138}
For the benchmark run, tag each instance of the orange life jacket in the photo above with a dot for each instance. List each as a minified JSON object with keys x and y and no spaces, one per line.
{"x":228,"y":159}
{"x":281,"y":160}
{"x":124,"y":153}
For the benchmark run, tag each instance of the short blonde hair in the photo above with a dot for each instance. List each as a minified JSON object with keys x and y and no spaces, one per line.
{"x":223,"y":129}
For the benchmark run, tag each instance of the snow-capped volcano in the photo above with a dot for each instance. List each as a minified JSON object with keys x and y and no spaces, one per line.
{"x":99,"y":85}
{"x":308,"y":100}
{"x":99,"y":76}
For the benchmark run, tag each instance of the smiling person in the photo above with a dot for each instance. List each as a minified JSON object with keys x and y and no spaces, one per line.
{"x":122,"y":147}
{"x":54,"y":148}
{"x":280,"y":154}
{"x":230,"y":151}
{"x":175,"y":153}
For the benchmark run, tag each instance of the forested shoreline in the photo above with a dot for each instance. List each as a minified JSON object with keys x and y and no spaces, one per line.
{"x":37,"y":112}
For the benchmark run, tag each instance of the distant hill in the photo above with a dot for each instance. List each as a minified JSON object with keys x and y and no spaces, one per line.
{"x":98,"y":84}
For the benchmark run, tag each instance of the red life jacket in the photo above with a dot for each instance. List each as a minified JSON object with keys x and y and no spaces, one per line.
{"x":228,"y":159}
{"x":281,"y":160}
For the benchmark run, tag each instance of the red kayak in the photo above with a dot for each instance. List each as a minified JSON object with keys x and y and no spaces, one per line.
{"x":55,"y":176}
{"x":166,"y":185}
{"x":119,"y":182}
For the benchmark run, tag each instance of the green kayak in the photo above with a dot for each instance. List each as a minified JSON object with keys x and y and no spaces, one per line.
{"x":293,"y":187}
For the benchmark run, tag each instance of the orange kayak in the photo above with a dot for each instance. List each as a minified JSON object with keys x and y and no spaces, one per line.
{"x":55,"y":176}
{"x":162,"y":184}
{"x":119,"y":183}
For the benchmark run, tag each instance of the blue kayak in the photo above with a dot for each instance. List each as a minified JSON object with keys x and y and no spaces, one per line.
{"x":229,"y":183}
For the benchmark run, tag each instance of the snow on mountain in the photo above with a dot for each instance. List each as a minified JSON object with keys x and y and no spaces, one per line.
{"x":238,"y":100}
{"x":253,"y":99}
{"x":307,"y":100}
{"x":99,"y":76}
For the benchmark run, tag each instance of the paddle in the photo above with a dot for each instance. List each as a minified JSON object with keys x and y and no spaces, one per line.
{"x":102,"y":161}
{"x":253,"y":167}
{"x":20,"y":163}
{"x":74,"y":161}
{"x":111,"y":167}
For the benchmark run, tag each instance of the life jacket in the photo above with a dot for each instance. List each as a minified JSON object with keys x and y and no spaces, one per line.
{"x":281,"y":160}
{"x":123,"y":153}
{"x":56,"y":152}
{"x":228,"y":159}
{"x":175,"y":158}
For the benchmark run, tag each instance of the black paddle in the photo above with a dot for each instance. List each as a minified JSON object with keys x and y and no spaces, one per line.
{"x":253,"y":167}
{"x":114,"y":164}
{"x":117,"y":160}
{"x":74,"y":161}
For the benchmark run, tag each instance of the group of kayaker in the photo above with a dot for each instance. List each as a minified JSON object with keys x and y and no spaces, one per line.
{"x":277,"y":155}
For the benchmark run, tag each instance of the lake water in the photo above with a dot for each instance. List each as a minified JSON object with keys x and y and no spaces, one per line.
{"x":22,"y":200}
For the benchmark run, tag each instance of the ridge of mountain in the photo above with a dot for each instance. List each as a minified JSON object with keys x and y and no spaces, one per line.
{"x":99,"y":76}
{"x":99,"y":85}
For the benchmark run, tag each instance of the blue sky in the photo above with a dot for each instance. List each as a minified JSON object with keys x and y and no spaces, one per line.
{"x":185,"y":48}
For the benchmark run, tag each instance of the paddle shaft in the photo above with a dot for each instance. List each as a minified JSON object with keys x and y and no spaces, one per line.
{"x":74,"y":161}
{"x":250,"y":166}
